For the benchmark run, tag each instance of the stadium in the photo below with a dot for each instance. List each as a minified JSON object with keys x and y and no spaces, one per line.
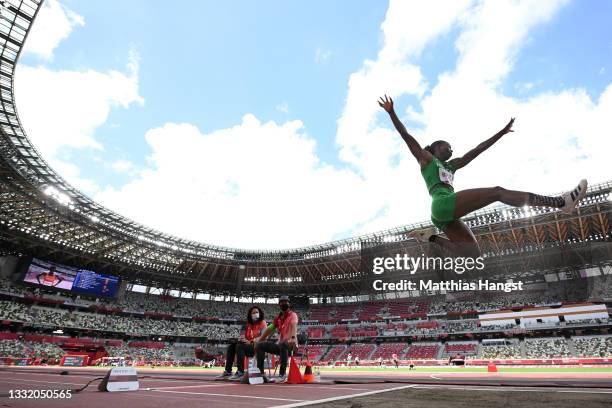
{"x":549,"y":343}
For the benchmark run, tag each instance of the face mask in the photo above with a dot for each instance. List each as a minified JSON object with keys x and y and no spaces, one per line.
{"x":284,"y":307}
{"x":255,"y":316}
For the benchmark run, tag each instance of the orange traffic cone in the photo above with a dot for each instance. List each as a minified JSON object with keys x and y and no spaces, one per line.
{"x":294,"y":377}
{"x":308,"y":375}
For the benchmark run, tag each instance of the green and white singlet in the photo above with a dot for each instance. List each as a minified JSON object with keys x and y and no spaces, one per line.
{"x":438,"y":176}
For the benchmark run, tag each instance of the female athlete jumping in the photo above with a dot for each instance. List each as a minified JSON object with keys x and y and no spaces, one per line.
{"x":447,"y":207}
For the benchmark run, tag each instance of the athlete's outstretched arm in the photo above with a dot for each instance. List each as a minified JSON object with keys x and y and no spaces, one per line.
{"x":460,"y":162}
{"x":422,"y":156}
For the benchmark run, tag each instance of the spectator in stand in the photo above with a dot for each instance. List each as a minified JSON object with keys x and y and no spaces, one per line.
{"x":286,"y":323}
{"x":244,"y":345}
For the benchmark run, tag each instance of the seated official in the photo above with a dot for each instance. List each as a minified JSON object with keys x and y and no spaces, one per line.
{"x":244,"y":346}
{"x":286,"y":324}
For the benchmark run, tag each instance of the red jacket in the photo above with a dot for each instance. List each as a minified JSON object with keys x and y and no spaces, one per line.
{"x":254,"y":330}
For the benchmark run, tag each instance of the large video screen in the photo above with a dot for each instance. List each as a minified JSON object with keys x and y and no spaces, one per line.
{"x":95,"y":284}
{"x":54,"y":275}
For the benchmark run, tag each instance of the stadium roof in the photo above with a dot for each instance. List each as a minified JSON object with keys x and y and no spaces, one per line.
{"x":42,"y":215}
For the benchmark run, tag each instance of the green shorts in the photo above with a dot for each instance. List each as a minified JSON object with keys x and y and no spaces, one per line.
{"x":442,"y":207}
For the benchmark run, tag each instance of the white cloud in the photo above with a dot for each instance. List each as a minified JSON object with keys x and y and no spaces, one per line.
{"x":224,"y":191}
{"x":62,"y":109}
{"x":72,"y":105}
{"x":493,"y":32}
{"x":253,"y":185}
{"x":258,"y":185}
{"x":546,"y":123}
{"x":123,"y":166}
{"x":560,"y":131}
{"x":373,"y":149}
{"x":410,"y":26}
{"x":54,"y":23}
{"x":72,"y":174}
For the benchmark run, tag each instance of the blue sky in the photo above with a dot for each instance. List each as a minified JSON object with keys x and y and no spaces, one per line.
{"x":168,"y":78}
{"x":571,"y":51}
{"x":208,"y":63}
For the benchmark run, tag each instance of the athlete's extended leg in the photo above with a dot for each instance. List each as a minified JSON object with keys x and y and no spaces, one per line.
{"x":471,"y":200}
{"x":461,"y":240}
{"x":468,"y":201}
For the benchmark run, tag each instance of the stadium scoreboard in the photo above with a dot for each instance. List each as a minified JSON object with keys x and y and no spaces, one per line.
{"x":71,"y":279}
{"x":95,"y":284}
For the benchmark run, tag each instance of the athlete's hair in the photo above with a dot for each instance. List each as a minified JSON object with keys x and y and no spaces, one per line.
{"x":433,"y":146}
{"x":250,"y":319}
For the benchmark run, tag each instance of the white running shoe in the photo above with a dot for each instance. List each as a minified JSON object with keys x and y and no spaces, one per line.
{"x":224,"y":376}
{"x":281,"y":379}
{"x":422,"y":235}
{"x":573,"y":197}
{"x":237,"y":376}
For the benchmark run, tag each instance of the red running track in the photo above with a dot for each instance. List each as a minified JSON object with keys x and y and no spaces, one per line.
{"x":189,"y":392}
{"x":197,"y":389}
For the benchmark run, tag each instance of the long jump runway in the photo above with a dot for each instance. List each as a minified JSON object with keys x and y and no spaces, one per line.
{"x":174,"y":389}
{"x":186,"y":388}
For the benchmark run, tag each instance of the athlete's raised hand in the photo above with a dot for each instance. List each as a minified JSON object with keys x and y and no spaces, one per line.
{"x":422,"y":156}
{"x":386,"y":103}
{"x":507,"y":128}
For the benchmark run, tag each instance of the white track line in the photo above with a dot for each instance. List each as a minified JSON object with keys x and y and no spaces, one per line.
{"x":22,"y":381}
{"x":168,"y":380}
{"x":363,"y":394}
{"x":101,"y":373}
{"x":47,"y":374}
{"x":434,"y":377}
{"x":226,"y":395}
{"x":586,"y":391}
{"x":188,"y":386}
{"x":325,"y":387}
{"x":498,"y":389}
